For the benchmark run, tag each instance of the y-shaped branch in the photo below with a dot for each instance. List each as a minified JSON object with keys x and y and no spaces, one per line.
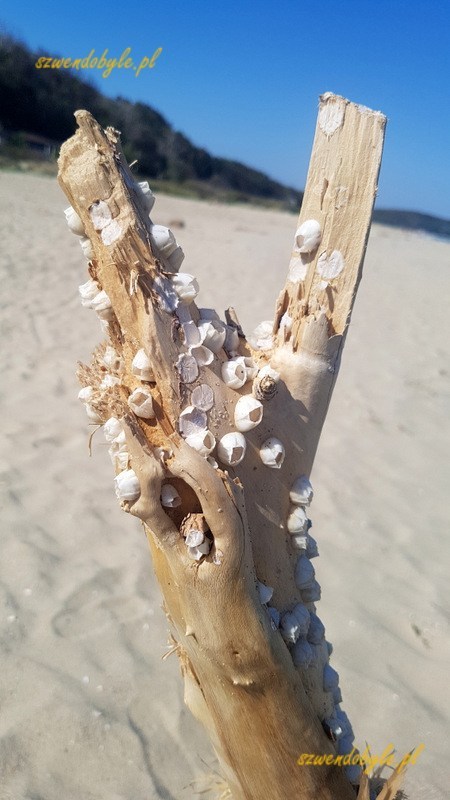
{"x":229,"y":538}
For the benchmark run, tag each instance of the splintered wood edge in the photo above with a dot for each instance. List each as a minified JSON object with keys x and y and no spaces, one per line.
{"x":340,"y":193}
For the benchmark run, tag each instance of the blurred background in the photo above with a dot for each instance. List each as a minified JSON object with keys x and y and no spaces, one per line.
{"x":222,"y":126}
{"x":235,"y":82}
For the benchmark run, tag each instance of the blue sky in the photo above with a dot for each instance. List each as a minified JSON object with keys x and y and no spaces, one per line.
{"x":243,"y":78}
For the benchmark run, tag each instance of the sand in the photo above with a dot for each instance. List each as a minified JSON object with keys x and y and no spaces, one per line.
{"x":88,"y":708}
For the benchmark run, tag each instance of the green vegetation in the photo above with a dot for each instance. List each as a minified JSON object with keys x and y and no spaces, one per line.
{"x":42,"y":102}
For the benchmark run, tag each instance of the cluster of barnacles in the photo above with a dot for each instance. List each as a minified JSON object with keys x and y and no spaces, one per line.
{"x":104,"y":391}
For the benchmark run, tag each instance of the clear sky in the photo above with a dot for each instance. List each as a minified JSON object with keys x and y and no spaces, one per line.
{"x":242,"y":78}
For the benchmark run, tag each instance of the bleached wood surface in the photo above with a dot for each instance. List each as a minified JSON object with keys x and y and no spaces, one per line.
{"x":240,"y":678}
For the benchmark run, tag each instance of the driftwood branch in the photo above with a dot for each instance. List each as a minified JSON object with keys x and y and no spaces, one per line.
{"x":227,"y":521}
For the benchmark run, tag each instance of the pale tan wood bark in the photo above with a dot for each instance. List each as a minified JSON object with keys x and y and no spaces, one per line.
{"x":261,"y":712}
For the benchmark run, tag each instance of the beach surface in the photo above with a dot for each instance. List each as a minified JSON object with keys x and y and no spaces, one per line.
{"x":89,"y":710}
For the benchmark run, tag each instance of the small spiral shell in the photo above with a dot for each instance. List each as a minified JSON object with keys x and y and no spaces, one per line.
{"x":265,"y":385}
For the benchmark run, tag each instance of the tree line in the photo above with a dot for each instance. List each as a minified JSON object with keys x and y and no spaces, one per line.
{"x":43,"y":102}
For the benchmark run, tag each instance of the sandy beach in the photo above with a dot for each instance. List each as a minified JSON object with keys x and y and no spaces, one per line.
{"x":88,"y":708}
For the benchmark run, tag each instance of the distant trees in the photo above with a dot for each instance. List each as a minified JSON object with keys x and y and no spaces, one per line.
{"x":42,"y":101}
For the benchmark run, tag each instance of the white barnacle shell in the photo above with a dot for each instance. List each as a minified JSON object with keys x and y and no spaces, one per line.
{"x":118,"y":452}
{"x":298,"y":269}
{"x":203,"y":397}
{"x":331,"y":114}
{"x":275,"y":616}
{"x":297,"y":521}
{"x":289,"y":627}
{"x":119,"y":457}
{"x":100,"y":214}
{"x":344,"y":721}
{"x":202,"y":441}
{"x":109,"y":381}
{"x":127,"y":486}
{"x":191,"y":420}
{"x":312,"y":551}
{"x":141,"y":402}
{"x":194,"y":538}
{"x":330,"y":678}
{"x":118,"y":445}
{"x":163,"y":239}
{"x":191,"y":333}
{"x":167,"y":297}
{"x":183,"y":312}
{"x":213,"y":334}
{"x":251,"y":370}
{"x":169,"y":496}
{"x":301,"y":493}
{"x":86,"y":394}
{"x":231,"y":448}
{"x":200,"y":550}
{"x":305,"y":542}
{"x":202,"y":355}
{"x":299,"y":541}
{"x":234,"y":373}
{"x":311,"y":593}
{"x":141,"y":366}
{"x":185,"y":286}
{"x":335,"y":727}
{"x":86,"y":246}
{"x":316,"y":630}
{"x":187,"y":368}
{"x":302,"y":616}
{"x":265,"y":592}
{"x":74,"y":222}
{"x":120,"y":442}
{"x":112,"y":428}
{"x":103,"y":221}
{"x":248,"y":413}
{"x":92,"y":414}
{"x":330,"y":267}
{"x":286,"y":322}
{"x":101,"y":304}
{"x":208,"y":314}
{"x":272,"y":453}
{"x":112,"y":360}
{"x":262,"y":336}
{"x":302,"y":653}
{"x":308,"y":236}
{"x":148,"y":196}
{"x":231,"y":343}
{"x":268,"y":372}
{"x":88,"y":291}
{"x":175,"y":259}
{"x":265,"y":383}
{"x":304,"y":573}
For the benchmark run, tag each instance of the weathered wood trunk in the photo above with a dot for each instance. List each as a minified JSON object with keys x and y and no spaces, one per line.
{"x":225,"y":519}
